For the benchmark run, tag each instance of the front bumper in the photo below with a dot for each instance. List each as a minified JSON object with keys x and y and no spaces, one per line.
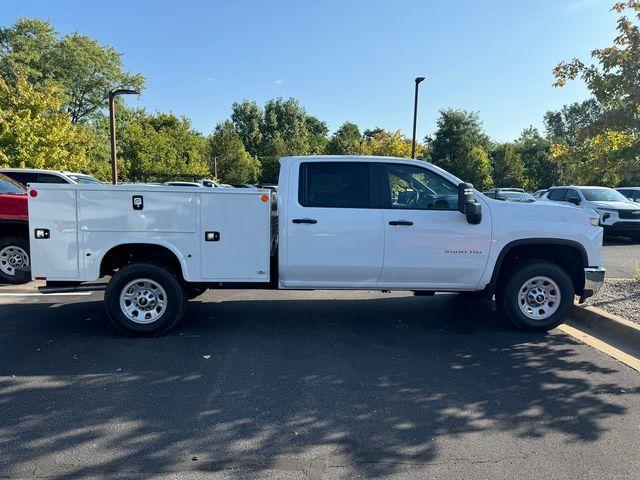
{"x":593,"y":280}
{"x":622,"y":228}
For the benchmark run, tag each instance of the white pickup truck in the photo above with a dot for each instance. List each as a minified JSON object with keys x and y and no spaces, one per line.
{"x":369,"y":223}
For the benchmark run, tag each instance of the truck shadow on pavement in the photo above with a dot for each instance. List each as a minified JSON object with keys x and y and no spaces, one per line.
{"x":258,"y":383}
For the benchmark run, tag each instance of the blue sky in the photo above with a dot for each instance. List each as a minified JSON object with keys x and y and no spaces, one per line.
{"x":345,"y":60}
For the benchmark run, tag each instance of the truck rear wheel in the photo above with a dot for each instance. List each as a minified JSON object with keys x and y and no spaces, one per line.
{"x":536,"y":295}
{"x":14,"y":253}
{"x":144,"y":300}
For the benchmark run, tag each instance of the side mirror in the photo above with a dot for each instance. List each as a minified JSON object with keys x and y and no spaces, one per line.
{"x":467,"y":203}
{"x":575,"y":201}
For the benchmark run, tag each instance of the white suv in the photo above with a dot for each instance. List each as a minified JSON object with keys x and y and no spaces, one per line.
{"x":32,"y":175}
{"x":618,"y":215}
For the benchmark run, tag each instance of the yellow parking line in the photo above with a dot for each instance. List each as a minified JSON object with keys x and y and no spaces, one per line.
{"x":604,"y":347}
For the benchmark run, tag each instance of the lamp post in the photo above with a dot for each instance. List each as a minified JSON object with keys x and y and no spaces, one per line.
{"x":112,"y":127}
{"x":415,"y":117}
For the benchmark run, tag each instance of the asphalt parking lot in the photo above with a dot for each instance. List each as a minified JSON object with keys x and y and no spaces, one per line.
{"x":621,"y":257}
{"x":263,"y":384}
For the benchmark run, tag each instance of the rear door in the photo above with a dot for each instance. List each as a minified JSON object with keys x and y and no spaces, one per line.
{"x":334,"y":234}
{"x":428,"y":242}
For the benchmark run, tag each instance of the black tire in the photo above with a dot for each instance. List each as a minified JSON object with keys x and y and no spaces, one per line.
{"x":6,"y":268}
{"x":175,"y":301}
{"x":515,"y":278}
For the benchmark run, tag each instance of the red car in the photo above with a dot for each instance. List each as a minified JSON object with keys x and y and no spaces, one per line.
{"x":14,"y":229}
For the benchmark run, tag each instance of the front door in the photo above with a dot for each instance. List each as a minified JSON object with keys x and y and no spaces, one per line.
{"x":428,"y":243}
{"x":334,"y":231}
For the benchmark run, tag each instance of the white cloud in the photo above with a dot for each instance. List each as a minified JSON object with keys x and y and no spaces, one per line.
{"x":279,"y":82}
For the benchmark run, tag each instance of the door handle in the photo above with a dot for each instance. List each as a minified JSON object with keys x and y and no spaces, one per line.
{"x":401,"y":222}
{"x":304,"y":220}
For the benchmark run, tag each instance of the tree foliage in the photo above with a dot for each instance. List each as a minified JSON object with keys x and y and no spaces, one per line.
{"x":235,"y":164}
{"x":611,"y":149}
{"x":33,"y":131}
{"x":507,"y":166}
{"x":83,"y":69}
{"x":460,"y":146}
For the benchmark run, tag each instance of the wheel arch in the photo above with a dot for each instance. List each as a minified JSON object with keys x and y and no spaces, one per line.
{"x":568,"y":254}
{"x":160,"y":253}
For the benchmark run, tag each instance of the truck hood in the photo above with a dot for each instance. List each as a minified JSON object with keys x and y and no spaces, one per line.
{"x":616,"y":205}
{"x":540,"y":210}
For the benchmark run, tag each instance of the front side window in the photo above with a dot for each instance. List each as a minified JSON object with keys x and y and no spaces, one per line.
{"x":334,"y":185}
{"x":557,"y":194}
{"x":415,"y":188}
{"x":572,"y":196}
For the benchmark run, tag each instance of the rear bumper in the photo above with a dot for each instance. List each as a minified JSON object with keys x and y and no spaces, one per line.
{"x":593,"y":280}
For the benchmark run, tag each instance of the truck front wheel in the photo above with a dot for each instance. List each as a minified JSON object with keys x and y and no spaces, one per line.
{"x":144,"y":300}
{"x":535,"y":295}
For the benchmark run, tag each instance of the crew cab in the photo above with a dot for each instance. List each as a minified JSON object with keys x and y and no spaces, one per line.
{"x":344,"y":222}
{"x":14,"y":230}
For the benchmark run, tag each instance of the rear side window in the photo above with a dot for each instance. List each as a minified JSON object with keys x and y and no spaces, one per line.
{"x":48,"y":178}
{"x":7,"y":186}
{"x":334,"y":185}
{"x":557,"y":194}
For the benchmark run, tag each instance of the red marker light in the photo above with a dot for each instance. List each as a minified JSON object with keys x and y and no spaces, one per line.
{"x":33,"y":193}
{"x":265,"y":198}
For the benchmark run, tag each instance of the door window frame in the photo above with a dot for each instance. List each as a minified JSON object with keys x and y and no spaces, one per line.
{"x":385,"y":188}
{"x":374,"y":185}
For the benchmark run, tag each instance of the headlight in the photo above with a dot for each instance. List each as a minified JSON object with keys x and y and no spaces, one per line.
{"x":594,"y":221}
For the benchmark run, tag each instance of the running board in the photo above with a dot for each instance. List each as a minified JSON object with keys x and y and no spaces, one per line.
{"x":84,"y":287}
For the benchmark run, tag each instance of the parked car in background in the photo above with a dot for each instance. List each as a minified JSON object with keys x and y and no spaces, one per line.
{"x":618,"y":216}
{"x":632,"y":193}
{"x":540,"y":193}
{"x":31,"y":175}
{"x":14,"y":229}
{"x":509,"y":194}
{"x":179,"y":183}
{"x":207,"y":182}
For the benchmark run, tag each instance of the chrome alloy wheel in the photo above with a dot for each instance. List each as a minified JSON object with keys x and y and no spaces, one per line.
{"x":12,"y":257}
{"x":539,"y":298}
{"x":143,"y":300}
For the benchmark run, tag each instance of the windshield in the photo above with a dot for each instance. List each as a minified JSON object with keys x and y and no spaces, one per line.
{"x":10,"y":187}
{"x":516,"y":196}
{"x":84,"y":179}
{"x":603,"y":195}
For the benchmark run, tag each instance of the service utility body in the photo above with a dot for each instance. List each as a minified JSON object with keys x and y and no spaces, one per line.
{"x":342,"y":222}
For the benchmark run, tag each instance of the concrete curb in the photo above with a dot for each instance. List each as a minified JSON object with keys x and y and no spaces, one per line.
{"x":595,"y":318}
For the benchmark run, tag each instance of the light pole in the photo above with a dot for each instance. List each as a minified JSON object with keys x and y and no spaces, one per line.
{"x":415,"y":117}
{"x":112,"y":127}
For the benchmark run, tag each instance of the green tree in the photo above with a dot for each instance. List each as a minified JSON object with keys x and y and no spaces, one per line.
{"x":154,"y":147}
{"x":460,"y":146}
{"x":507,"y":166}
{"x":84,"y":69}
{"x":347,"y":140}
{"x":248,"y":118}
{"x":573,"y":123}
{"x":613,"y":79}
{"x":317,"y":131}
{"x":389,"y":144}
{"x":540,"y":169}
{"x":235,"y":164}
{"x":33,"y":131}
